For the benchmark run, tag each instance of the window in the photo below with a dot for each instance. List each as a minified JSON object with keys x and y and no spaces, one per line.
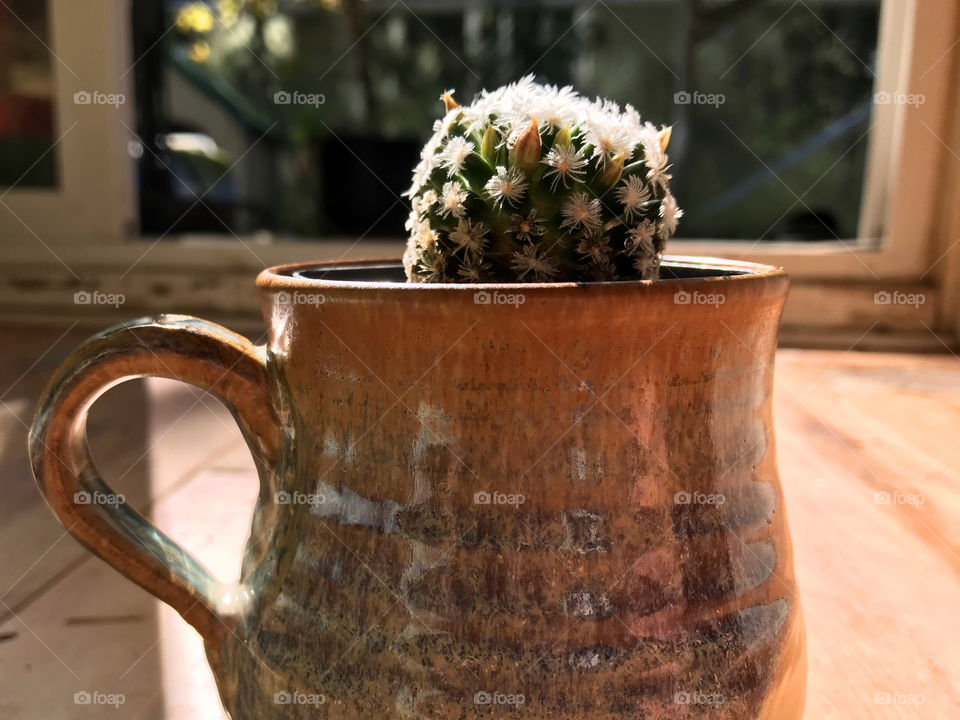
{"x":304,"y":119}
{"x":256,"y":132}
{"x":26,"y":96}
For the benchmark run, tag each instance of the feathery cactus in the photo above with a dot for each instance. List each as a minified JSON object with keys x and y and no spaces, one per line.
{"x":532,"y":183}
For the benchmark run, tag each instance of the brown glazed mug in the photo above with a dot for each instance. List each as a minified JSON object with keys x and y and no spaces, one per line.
{"x":541,"y":500}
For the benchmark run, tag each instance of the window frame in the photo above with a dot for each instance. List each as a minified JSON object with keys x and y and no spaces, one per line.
{"x":83,"y":58}
{"x":892,"y":222}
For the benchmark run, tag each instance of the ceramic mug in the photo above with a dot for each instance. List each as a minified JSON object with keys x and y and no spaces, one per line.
{"x":553,"y":500}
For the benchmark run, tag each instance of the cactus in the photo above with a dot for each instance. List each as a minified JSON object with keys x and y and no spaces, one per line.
{"x":534,"y":183}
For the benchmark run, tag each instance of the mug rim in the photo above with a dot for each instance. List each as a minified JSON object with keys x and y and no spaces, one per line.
{"x":287,"y":276}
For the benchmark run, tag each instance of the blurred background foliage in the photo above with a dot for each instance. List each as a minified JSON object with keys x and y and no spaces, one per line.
{"x":795,"y":79}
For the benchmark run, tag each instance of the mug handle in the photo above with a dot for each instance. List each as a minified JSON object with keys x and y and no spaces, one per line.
{"x":179,"y":347}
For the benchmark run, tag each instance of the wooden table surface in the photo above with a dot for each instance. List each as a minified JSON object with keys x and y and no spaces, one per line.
{"x":869,"y":454}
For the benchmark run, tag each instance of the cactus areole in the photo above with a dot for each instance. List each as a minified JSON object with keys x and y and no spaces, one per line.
{"x":534,"y":183}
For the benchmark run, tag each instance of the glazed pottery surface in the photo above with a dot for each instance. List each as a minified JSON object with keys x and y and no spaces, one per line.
{"x":541,"y":501}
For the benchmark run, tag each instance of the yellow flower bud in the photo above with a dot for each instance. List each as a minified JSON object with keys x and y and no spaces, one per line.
{"x":610,"y":173}
{"x":564,"y":138}
{"x":525,"y":154}
{"x":664,"y":136}
{"x":488,"y":146}
{"x":448,"y":102}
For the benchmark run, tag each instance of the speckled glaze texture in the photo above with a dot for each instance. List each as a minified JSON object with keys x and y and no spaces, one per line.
{"x":560,"y":506}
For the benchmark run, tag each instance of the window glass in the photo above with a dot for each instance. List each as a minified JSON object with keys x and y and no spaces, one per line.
{"x":27,"y":130}
{"x":303,"y":118}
